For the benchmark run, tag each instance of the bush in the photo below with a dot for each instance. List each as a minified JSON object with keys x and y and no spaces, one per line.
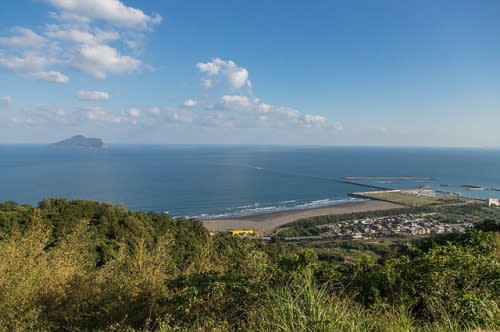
{"x":53,"y":278}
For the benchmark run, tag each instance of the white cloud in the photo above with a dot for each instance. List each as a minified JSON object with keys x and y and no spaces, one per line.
{"x":47,"y":114}
{"x":69,"y":17}
{"x":99,"y":60}
{"x":207,"y":84}
{"x":266,"y":113}
{"x":51,"y":76}
{"x":263,"y":107}
{"x":55,"y":110}
{"x":134,"y":112}
{"x":97,"y":114}
{"x":251,"y":109}
{"x":179,"y":116}
{"x":286,"y":112}
{"x":154,"y":111}
{"x":40,"y":116}
{"x":190,"y":103}
{"x":216,"y":120}
{"x":338,"y":126}
{"x":5,"y":100}
{"x":112,"y":11}
{"x":235,"y":102}
{"x":32,"y":66}
{"x":92,"y":95}
{"x":24,"y":121}
{"x":79,"y":40}
{"x":83,"y":34}
{"x":23,"y":38}
{"x":314,"y":119}
{"x":235,"y":75}
{"x":133,"y":44}
{"x":381,"y":131}
{"x":210,"y":67}
{"x":28,"y":63}
{"x":185,"y":116}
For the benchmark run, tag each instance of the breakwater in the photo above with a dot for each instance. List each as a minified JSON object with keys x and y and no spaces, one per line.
{"x":354,"y":180}
{"x":398,"y":178}
{"x":363,"y":184}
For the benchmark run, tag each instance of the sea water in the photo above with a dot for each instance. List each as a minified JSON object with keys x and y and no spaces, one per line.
{"x":215,"y":181}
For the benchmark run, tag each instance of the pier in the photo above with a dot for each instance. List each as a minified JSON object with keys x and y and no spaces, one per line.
{"x":353,"y":180}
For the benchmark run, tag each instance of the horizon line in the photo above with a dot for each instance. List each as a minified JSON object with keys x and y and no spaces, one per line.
{"x":275,"y":145}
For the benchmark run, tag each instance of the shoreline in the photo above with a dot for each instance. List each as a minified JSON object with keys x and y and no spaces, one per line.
{"x":266,"y":223}
{"x":274,"y":211}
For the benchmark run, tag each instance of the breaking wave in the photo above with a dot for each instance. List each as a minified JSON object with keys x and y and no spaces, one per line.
{"x":289,"y":205}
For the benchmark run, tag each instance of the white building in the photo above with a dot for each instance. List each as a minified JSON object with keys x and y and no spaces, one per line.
{"x":494,"y":202}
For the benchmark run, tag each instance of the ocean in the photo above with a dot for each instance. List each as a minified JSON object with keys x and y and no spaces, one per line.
{"x":215,"y":181}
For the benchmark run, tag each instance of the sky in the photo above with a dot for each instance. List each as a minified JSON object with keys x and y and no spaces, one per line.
{"x":385,"y":73}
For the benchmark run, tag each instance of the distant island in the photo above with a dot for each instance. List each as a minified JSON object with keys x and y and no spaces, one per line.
{"x":79,"y":141}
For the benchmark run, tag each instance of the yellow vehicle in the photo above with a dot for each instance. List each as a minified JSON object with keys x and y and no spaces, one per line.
{"x":242,"y":232}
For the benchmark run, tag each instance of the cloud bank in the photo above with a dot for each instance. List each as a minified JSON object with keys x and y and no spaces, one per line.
{"x":91,"y":36}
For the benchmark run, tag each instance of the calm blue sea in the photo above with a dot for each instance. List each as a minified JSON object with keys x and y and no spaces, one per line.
{"x":208,"y":181}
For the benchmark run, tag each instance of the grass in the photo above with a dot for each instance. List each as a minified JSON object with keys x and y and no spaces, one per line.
{"x":303,"y":306}
{"x":413,"y":200}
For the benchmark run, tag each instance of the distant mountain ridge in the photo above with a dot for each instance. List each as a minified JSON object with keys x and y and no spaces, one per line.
{"x":79,"y":141}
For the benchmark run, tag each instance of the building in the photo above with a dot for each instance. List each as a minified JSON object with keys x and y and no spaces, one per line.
{"x":494,"y":202}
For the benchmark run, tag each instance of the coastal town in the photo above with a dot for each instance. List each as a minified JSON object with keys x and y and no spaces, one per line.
{"x":411,"y":223}
{"x":400,"y":225}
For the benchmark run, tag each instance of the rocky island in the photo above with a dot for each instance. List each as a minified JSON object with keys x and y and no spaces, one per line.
{"x":79,"y":141}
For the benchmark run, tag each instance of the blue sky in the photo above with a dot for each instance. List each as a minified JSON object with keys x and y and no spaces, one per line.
{"x":411,"y":73}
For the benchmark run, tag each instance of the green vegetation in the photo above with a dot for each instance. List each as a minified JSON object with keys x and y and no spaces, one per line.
{"x":109,"y":227}
{"x":413,"y":200}
{"x":79,"y":265}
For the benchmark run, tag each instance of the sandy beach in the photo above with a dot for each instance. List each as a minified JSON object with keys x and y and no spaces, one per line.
{"x":266,"y":223}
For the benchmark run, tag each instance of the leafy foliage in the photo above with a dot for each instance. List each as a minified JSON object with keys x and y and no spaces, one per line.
{"x":78,"y":265}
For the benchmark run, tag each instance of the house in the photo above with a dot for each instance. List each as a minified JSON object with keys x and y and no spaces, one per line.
{"x":494,"y":202}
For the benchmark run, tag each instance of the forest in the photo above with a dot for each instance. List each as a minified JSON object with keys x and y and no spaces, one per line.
{"x":86,"y":266}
